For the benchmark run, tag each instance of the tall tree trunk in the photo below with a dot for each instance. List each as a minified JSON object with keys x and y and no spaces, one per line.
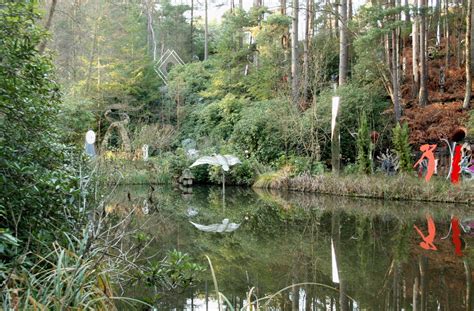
{"x":446,"y":36}
{"x":423,"y":95}
{"x":343,"y":43}
{"x":415,"y":49}
{"x":395,"y":76}
{"x":307,"y":44}
{"x":294,"y":53}
{"x":407,"y":12}
{"x":192,"y":29}
{"x":47,"y":26}
{"x":151,"y":32}
{"x":349,"y":10}
{"x":468,"y":44}
{"x":206,"y":31}
{"x":395,"y":58}
{"x":437,"y":21}
{"x":458,"y":34}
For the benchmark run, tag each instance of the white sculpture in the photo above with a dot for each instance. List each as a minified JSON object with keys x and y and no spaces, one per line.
{"x":191,"y":212}
{"x":145,"y":152}
{"x":89,"y":145}
{"x":225,"y":226}
{"x":224,"y":161}
{"x":90,"y":137}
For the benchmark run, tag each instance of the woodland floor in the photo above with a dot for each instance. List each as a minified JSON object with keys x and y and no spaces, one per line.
{"x":444,"y":113}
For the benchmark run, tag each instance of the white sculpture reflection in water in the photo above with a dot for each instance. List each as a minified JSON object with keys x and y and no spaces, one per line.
{"x":335,"y":270}
{"x":225,"y":226}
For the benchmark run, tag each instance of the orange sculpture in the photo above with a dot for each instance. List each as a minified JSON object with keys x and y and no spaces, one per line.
{"x":429,"y":155}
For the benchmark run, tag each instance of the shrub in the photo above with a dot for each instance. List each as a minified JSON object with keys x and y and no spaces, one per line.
{"x":157,"y":137}
{"x":300,"y":165}
{"x":243,"y":174}
{"x":37,"y":182}
{"x":355,"y":100}
{"x":402,"y":147}
{"x":260,"y":132}
{"x":187,"y":81}
{"x":364,"y":148}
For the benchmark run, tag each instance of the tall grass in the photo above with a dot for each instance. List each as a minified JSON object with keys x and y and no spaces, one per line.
{"x":262,"y":303}
{"x":77,"y":270}
{"x":67,"y":278}
{"x":400,"y":187}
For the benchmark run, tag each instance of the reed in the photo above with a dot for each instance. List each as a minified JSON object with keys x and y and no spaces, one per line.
{"x":400,"y":187}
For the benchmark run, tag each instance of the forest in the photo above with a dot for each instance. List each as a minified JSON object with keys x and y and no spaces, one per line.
{"x":333,"y":97}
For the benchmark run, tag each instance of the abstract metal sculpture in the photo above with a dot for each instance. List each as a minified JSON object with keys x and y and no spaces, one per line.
{"x":120,"y":126}
{"x":224,"y":161}
{"x":389,"y":163}
{"x":170,"y":57}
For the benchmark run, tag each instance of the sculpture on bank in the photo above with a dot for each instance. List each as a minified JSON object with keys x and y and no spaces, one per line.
{"x":224,"y":161}
{"x":89,"y":145}
{"x":120,"y":126}
{"x":389,"y":163}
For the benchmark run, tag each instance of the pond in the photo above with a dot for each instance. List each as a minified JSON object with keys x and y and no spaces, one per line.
{"x":309,"y":241}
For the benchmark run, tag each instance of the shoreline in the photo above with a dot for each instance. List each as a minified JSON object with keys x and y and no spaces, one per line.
{"x":396,"y":188}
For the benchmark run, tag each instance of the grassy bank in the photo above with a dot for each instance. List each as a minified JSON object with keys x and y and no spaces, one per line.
{"x":401,"y":187}
{"x":163,"y":170}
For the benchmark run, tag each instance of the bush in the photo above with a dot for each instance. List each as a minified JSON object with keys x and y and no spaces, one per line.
{"x":218,"y":118}
{"x":157,"y":137}
{"x":355,"y":100}
{"x":241,"y":174}
{"x":259,"y":130}
{"x":188,"y":81}
{"x":37,"y":183}
{"x":402,"y":147}
{"x":300,"y":165}
{"x":364,"y":146}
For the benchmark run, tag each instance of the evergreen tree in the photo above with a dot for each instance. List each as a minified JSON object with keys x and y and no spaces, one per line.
{"x":402,"y":147}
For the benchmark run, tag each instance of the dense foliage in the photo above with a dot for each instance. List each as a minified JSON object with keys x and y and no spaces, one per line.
{"x":37,"y":182}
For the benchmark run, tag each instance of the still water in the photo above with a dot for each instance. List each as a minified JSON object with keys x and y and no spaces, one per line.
{"x":305,"y":240}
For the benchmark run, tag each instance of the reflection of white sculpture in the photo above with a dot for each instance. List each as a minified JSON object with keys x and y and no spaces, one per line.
{"x":225,"y":226}
{"x":191,"y":212}
{"x":224,"y":161}
{"x":335,"y":270}
{"x":145,"y":208}
{"x":145,"y":152}
{"x":89,"y":146}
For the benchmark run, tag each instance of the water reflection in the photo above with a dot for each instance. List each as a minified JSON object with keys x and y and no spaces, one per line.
{"x":285,"y":239}
{"x":225,"y":226}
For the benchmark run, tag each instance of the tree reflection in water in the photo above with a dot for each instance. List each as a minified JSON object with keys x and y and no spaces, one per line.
{"x":285,"y":238}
